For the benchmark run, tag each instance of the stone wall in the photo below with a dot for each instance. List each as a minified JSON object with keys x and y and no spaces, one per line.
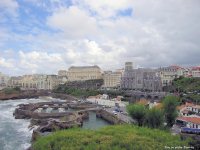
{"x":111,"y":118}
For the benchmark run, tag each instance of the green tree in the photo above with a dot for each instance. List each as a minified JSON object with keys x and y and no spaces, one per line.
{"x":169,"y":105}
{"x":154,"y":118}
{"x":137,"y":112}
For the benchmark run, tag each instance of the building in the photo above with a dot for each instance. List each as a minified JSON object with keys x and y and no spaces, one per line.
{"x":36,"y":81}
{"x":128,"y":66}
{"x":140,"y":79}
{"x":15,"y":82}
{"x":189,"y":122}
{"x":42,"y":82}
{"x":195,"y":72}
{"x":103,"y":100}
{"x":81,"y":73}
{"x":111,"y":79}
{"x":29,"y":81}
{"x":62,"y":73}
{"x":168,"y":74}
{"x":3,"y":80}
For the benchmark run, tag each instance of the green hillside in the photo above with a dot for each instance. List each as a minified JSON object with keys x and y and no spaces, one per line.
{"x":189,"y":88}
{"x":187,"y":84}
{"x":121,"y":137}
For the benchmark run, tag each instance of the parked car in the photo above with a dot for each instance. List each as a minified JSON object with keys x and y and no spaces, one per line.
{"x":114,"y":112}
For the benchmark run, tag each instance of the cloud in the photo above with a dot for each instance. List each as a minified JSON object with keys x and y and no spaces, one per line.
{"x":6,"y":63}
{"x":107,"y":33}
{"x":41,"y":62}
{"x":104,"y":9}
{"x":9,"y":6}
{"x":73,"y":21}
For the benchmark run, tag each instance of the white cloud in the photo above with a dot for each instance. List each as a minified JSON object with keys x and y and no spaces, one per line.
{"x":90,"y":32}
{"x":9,"y":6}
{"x":73,"y":21}
{"x":6,"y":63}
{"x":103,"y":8}
{"x":42,"y":62}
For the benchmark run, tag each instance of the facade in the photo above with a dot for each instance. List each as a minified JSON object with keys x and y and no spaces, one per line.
{"x":84,"y":73}
{"x":3,"y":80}
{"x":15,"y":82}
{"x":195,"y":72}
{"x":168,"y":74}
{"x":101,"y":100}
{"x":128,"y":66}
{"x":62,"y":73}
{"x":190,"y":121}
{"x":111,"y":79}
{"x":140,"y":79}
{"x":40,"y":82}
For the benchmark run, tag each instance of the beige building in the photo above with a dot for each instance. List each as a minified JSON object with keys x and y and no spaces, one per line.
{"x":40,"y":82}
{"x":80,"y":73}
{"x":168,"y":74}
{"x":62,"y":73}
{"x":3,"y":80}
{"x":195,"y":72}
{"x":112,"y":79}
{"x":15,"y":82}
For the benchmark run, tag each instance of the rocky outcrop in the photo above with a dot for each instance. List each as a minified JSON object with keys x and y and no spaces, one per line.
{"x":62,"y":96}
{"x":47,"y":126}
{"x":23,"y":95}
{"x":27,"y":94}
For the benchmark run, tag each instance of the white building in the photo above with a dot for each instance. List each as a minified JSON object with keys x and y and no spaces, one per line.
{"x":106,"y":102}
{"x":190,"y":121}
{"x":195,"y":72}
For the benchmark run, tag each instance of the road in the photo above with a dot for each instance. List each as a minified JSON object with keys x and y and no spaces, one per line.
{"x":122,"y":116}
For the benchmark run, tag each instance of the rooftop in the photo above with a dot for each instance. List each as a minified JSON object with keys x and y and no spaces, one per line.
{"x":195,"y":120}
{"x":83,"y":67}
{"x":185,"y":105}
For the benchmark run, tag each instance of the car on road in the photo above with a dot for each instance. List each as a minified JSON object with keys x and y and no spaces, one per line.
{"x":114,"y":112}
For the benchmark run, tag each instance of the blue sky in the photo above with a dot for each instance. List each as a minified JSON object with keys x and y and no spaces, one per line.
{"x":43,"y":36}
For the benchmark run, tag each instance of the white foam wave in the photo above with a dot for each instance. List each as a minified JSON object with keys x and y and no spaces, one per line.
{"x":15,"y":134}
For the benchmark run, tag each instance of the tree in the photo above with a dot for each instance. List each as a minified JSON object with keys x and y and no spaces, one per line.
{"x":154,"y":118}
{"x":169,"y":105}
{"x":137,"y":112}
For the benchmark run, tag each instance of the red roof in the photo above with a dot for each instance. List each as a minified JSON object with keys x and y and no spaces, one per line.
{"x":185,"y":111}
{"x":196,"y":68}
{"x":195,"y":120}
{"x":186,"y":105}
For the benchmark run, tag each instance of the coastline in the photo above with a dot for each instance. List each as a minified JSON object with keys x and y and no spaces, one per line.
{"x":28,"y":94}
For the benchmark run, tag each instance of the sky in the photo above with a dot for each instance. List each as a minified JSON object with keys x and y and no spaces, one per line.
{"x":44,"y":36}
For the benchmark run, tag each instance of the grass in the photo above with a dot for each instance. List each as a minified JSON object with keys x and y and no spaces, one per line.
{"x":120,"y":137}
